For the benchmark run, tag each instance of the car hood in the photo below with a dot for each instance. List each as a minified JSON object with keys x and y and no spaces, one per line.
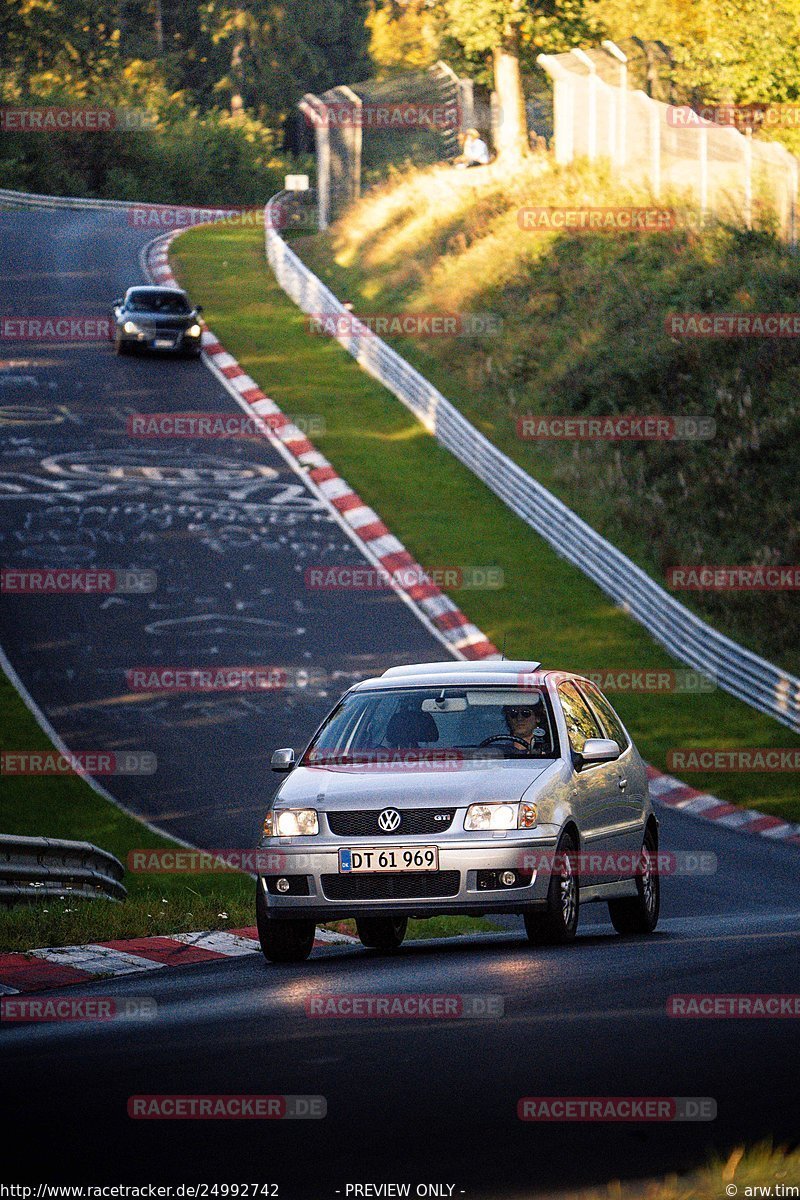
{"x":372,"y":786}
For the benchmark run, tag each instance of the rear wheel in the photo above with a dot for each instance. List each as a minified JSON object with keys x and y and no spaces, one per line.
{"x":559,"y":922}
{"x":283,"y":941}
{"x":382,"y":933}
{"x":639,"y":914}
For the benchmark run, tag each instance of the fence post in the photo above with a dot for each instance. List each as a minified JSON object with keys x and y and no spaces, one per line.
{"x":748,"y":178}
{"x":466,"y":96}
{"x":357,"y":129}
{"x":655,"y":148}
{"x":583,"y":57}
{"x":613,"y":49}
{"x":316,"y":114}
{"x":703,"y":145}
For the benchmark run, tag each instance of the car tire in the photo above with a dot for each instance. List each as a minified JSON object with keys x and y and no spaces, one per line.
{"x":283,"y":941}
{"x":639,"y":914}
{"x":121,"y":347}
{"x":382,"y":933}
{"x":559,"y":923}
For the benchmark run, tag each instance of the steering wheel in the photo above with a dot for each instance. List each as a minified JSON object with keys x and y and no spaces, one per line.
{"x":505,"y":737}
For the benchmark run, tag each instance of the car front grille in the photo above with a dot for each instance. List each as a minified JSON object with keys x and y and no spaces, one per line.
{"x":364,"y":823}
{"x":393,"y":885}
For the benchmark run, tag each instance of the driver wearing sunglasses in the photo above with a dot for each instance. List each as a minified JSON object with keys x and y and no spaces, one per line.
{"x":523,"y":721}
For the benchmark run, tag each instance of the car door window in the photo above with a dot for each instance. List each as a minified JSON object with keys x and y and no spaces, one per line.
{"x":581,"y":721}
{"x":612,"y":726}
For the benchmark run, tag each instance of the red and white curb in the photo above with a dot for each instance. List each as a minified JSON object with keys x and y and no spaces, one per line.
{"x":62,"y":965}
{"x":667,"y":790}
{"x":363,"y":524}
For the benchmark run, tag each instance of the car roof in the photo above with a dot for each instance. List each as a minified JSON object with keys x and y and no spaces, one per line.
{"x":486,"y":672}
{"x":155,"y":287}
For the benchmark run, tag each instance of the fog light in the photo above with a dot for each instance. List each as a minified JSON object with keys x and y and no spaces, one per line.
{"x":508,"y":878}
{"x":282,"y":885}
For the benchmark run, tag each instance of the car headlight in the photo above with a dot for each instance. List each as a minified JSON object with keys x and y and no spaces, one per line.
{"x":291,"y":822}
{"x":131,"y":327}
{"x":500,"y":816}
{"x":491,"y":816}
{"x":194,"y":330}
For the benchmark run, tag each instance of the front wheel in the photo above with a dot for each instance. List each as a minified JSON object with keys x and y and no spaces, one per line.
{"x":382,"y":933}
{"x":639,"y":914}
{"x":559,"y":922}
{"x":283,"y":941}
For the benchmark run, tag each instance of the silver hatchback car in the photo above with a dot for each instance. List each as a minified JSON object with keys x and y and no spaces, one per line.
{"x":459,"y":787}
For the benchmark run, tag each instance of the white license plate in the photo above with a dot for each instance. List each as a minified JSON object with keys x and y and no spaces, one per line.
{"x":374,"y":859}
{"x":164,"y":343}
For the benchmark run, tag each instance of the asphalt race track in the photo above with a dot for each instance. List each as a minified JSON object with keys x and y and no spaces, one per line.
{"x":408,"y":1100}
{"x":228,"y":528}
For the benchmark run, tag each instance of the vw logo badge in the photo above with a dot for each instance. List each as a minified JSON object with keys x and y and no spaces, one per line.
{"x":389,"y":820}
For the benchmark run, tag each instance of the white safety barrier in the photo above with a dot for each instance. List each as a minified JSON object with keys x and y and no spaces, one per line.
{"x":737,"y":670}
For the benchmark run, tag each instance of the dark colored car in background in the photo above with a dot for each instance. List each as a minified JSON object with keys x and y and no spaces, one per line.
{"x":157,"y":318}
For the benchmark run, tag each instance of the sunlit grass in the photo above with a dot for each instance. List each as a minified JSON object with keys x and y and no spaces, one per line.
{"x":772,"y":1169}
{"x":583,"y":334}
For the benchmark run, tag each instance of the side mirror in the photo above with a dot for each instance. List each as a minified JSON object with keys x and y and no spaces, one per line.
{"x":597,"y":750}
{"x":198,"y":308}
{"x":282,"y":760}
{"x":118,"y":302}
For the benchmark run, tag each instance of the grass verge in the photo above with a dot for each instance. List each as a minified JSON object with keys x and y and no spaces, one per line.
{"x":66,"y":807}
{"x":762,"y":1170}
{"x":546,"y":609}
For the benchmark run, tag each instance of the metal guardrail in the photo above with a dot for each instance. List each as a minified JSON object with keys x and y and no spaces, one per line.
{"x":34,"y":867}
{"x":739,"y":671}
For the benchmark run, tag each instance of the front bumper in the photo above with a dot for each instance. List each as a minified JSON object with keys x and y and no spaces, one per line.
{"x":464,"y":858}
{"x":166,"y":342}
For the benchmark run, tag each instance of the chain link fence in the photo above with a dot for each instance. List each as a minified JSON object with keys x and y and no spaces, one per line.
{"x":719,"y":168}
{"x":363,"y":129}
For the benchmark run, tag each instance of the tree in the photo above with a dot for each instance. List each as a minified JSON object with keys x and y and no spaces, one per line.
{"x":405,"y":35}
{"x":498,"y":27}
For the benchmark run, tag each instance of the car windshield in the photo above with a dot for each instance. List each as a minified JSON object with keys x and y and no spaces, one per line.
{"x":471,"y":722}
{"x":158,"y":302}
